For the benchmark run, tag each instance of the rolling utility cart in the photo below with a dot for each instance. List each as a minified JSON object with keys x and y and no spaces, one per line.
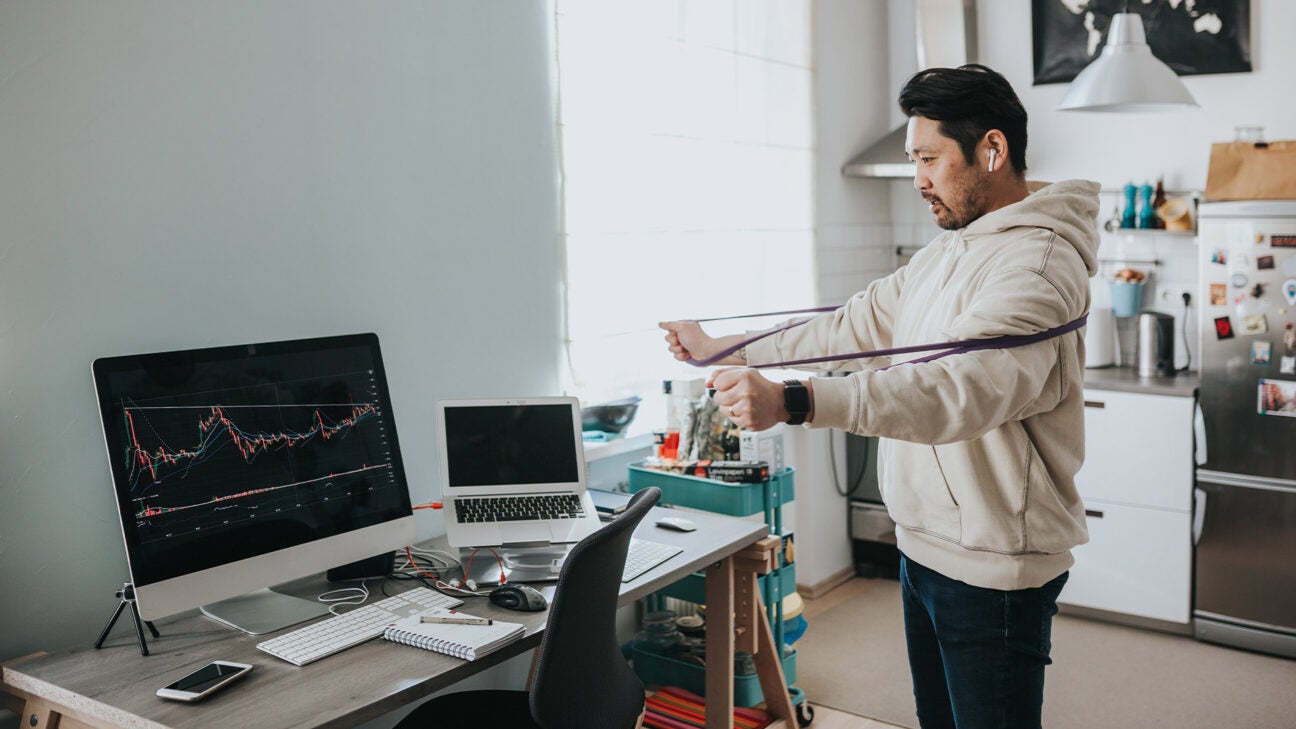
{"x":732,"y":499}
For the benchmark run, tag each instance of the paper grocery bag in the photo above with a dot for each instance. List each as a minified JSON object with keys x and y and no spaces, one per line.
{"x":1252,"y":171}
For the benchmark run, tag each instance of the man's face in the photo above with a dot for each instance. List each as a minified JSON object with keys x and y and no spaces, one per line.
{"x":956,"y":191}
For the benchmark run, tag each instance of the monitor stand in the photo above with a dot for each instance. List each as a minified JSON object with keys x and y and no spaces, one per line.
{"x":520,"y":564}
{"x":263,"y":611}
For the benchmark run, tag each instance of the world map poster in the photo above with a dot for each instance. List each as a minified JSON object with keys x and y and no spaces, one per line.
{"x":1190,"y":36}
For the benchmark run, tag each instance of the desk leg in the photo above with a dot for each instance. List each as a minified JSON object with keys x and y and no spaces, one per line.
{"x":720,"y":645}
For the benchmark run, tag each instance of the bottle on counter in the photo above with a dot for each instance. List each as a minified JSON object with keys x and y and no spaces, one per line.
{"x":1128,"y":218}
{"x":1158,"y":199}
{"x":1146,"y":215}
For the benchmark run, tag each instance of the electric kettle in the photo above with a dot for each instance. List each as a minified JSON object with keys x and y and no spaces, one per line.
{"x":1156,"y":348}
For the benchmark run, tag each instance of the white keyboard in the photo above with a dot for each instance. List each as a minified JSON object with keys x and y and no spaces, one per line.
{"x":644,"y":555}
{"x":326,"y":637}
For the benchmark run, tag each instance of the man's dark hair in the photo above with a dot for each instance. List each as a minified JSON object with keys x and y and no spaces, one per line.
{"x":969,"y":101}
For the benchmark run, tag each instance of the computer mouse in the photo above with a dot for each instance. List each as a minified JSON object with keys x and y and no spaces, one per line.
{"x":519,"y":597}
{"x":676,"y":523}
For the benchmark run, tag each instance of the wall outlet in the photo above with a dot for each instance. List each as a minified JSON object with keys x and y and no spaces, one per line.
{"x":1174,"y":294}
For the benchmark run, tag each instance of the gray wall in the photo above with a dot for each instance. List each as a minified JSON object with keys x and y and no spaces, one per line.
{"x":182,"y":174}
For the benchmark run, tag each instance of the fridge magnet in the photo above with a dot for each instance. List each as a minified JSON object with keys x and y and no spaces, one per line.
{"x":1223,"y":328}
{"x":1239,"y":280}
{"x":1287,"y":365}
{"x":1254,"y":324}
{"x":1289,"y":291}
{"x":1282,"y":241}
{"x":1219,"y":294}
{"x":1277,"y":397}
{"x":1264,"y":263}
{"x":1218,"y":256}
{"x":1289,"y":266}
{"x":1260,"y":350}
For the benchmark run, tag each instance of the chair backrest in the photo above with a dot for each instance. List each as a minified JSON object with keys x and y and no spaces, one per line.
{"x":582,"y":681}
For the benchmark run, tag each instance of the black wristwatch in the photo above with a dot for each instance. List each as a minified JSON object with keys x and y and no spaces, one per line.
{"x":796,"y":400}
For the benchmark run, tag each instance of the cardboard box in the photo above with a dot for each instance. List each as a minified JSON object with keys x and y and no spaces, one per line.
{"x":1252,"y":171}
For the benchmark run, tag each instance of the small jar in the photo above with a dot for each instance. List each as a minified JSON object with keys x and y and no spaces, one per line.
{"x":1248,"y":134}
{"x":660,"y":635}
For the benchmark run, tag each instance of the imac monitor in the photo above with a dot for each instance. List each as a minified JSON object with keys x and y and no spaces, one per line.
{"x":238,"y":468}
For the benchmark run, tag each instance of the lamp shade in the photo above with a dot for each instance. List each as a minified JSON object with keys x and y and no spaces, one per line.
{"x":1126,"y":76}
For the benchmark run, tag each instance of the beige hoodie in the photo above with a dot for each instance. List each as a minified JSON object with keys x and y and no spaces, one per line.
{"x":979,"y":451}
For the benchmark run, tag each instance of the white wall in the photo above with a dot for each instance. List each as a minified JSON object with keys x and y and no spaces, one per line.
{"x":181,"y":174}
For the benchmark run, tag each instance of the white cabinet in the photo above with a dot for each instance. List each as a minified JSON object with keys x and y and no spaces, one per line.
{"x":1136,"y":484}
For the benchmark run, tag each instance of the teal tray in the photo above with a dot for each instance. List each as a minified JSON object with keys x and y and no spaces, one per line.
{"x":655,"y":670}
{"x":733,"y":499}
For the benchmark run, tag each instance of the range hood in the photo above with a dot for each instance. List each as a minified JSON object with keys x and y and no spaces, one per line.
{"x":946,"y":37}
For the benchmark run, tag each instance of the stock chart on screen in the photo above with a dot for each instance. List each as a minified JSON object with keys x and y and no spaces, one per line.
{"x":227,"y":452}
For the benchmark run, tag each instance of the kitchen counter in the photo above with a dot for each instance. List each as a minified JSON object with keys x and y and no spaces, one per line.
{"x":1126,"y":379}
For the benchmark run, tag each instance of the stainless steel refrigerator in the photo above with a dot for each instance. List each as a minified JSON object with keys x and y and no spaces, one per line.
{"x":1245,"y":513}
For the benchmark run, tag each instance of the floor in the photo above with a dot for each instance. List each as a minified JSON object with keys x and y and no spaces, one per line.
{"x":826,"y":718}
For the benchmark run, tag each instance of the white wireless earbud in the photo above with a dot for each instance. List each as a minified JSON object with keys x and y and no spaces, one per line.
{"x":990,"y":167}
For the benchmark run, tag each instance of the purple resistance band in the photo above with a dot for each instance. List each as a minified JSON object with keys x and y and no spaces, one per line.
{"x":958,"y":346}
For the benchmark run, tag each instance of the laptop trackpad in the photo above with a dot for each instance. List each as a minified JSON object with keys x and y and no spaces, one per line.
{"x":524,"y":533}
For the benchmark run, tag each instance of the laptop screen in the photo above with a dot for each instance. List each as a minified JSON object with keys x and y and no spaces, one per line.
{"x":511,"y":444}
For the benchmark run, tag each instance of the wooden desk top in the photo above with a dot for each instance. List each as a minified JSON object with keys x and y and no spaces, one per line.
{"x":115,"y":686}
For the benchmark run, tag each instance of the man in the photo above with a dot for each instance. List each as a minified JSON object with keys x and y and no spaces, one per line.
{"x":979,"y":450}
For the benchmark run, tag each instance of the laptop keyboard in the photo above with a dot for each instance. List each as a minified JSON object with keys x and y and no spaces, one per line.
{"x":519,"y":508}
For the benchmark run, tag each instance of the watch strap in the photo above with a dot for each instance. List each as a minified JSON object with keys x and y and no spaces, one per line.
{"x":796,"y":400}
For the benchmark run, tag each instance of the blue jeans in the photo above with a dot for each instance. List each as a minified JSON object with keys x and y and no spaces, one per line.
{"x":977,"y":656}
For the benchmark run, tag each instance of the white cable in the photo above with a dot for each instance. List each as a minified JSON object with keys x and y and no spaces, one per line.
{"x":357,"y":596}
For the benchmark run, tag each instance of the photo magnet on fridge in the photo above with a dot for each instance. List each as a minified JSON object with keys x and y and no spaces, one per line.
{"x":1277,"y":397}
{"x":1219,"y":294}
{"x":1223,"y":328}
{"x":1287,"y":365}
{"x":1265,"y":263}
{"x":1255,"y":324}
{"x":1260,"y":350}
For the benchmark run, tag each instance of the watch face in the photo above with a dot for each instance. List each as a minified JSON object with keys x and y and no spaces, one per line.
{"x":796,"y":400}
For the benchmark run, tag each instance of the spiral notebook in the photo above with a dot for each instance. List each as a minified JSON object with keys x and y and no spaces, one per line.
{"x":461,"y":641}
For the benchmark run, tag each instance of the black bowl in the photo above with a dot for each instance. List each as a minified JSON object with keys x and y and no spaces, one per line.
{"x":610,"y":417}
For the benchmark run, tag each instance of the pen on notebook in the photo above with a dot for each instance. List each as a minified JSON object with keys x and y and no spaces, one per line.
{"x":456,"y":620}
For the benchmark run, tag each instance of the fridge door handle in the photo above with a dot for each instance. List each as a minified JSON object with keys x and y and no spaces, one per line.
{"x":1199,"y":514}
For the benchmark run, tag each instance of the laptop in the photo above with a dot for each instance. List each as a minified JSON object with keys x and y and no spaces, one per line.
{"x":513,"y":472}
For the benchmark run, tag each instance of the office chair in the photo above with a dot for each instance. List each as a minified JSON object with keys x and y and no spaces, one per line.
{"x":581,"y":679}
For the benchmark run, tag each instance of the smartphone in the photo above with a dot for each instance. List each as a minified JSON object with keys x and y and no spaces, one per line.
{"x":205,"y":681}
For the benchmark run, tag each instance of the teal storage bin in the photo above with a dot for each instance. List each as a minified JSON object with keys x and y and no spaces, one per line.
{"x":734,"y":499}
{"x":657,"y":670}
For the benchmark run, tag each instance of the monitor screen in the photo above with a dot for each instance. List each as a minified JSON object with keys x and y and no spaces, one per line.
{"x":510,"y":444}
{"x":240,"y":467}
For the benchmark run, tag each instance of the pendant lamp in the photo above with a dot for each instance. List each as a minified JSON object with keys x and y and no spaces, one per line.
{"x":1126,"y":77}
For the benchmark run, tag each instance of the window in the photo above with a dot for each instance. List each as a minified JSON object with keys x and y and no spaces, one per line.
{"x":687,"y":144}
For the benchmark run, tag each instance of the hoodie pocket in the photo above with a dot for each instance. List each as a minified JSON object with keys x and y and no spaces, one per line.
{"x":1009,"y":503}
{"x":919,"y":498}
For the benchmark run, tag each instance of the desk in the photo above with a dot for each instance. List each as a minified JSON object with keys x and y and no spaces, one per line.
{"x":113,"y":687}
